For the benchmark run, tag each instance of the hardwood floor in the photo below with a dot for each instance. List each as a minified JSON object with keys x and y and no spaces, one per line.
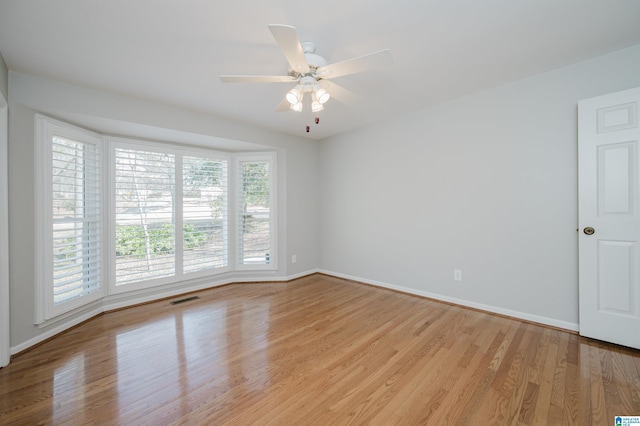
{"x":318,"y":350}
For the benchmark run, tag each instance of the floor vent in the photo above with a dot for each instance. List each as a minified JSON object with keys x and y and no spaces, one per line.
{"x":188,"y":299}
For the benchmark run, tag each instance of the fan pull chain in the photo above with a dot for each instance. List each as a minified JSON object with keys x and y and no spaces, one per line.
{"x":317,"y":121}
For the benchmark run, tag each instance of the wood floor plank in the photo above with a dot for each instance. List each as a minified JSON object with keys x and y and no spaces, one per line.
{"x":545,"y":380}
{"x":317,"y":350}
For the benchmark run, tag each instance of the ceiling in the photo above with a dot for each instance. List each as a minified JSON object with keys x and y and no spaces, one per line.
{"x":172,"y":52}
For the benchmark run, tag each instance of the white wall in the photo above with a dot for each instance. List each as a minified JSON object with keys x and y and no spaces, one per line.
{"x":486,"y":183}
{"x":298,"y":207}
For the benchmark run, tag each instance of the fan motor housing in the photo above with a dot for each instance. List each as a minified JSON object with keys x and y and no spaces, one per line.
{"x":314,"y":61}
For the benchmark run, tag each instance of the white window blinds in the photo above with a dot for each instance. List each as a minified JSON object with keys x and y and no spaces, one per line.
{"x":204,"y":214}
{"x":255,"y":233}
{"x":76,"y":218}
{"x":144,"y":215}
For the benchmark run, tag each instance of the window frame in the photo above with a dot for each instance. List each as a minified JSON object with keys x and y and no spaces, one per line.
{"x":111,"y":145}
{"x":46,"y":129}
{"x":269,"y":157}
{"x":225,"y":213}
{"x":180,"y":152}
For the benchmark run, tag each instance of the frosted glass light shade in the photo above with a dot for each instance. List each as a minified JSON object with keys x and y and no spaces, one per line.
{"x":316,"y":106}
{"x":322,"y":95}
{"x":294,"y":95}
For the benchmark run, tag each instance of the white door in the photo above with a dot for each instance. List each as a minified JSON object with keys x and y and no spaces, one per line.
{"x":609,"y":217}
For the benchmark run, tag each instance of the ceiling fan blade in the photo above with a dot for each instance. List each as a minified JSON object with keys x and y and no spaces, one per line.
{"x":287,"y":39}
{"x":284,"y":106}
{"x":341,"y":94}
{"x":362,"y":63}
{"x":257,"y":79}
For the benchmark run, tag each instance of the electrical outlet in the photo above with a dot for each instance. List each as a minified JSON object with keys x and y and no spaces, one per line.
{"x":457,"y":274}
{"x":294,"y":258}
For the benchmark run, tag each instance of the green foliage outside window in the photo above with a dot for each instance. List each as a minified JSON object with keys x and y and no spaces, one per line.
{"x":130,"y":239}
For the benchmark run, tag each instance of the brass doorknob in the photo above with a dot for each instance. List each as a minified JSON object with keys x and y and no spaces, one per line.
{"x":589,"y":230}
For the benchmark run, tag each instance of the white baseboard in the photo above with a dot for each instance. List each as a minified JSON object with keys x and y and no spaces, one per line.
{"x":123,"y":300}
{"x":118,"y":301}
{"x":65,"y":325}
{"x":302,"y":274}
{"x":468,"y":303}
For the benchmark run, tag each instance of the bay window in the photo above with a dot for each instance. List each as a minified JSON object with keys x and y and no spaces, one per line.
{"x":144,"y":214}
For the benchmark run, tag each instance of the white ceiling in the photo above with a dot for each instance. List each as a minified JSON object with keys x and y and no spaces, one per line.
{"x":173,"y":51}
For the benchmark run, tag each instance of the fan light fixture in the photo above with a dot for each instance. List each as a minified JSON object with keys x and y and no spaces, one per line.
{"x":307,"y":84}
{"x":316,"y":105}
{"x":294,"y":95}
{"x":319,"y":96}
{"x":322,"y":95}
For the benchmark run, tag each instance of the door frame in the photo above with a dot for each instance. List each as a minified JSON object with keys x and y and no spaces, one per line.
{"x":5,"y":340}
{"x":608,"y":121}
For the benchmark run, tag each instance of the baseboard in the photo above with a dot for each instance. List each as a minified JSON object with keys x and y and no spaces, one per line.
{"x":110,"y":303}
{"x":124,"y":300}
{"x":302,"y":274}
{"x":63,"y":326}
{"x":552,"y":322}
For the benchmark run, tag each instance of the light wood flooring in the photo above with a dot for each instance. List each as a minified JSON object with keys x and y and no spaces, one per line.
{"x":318,"y":350}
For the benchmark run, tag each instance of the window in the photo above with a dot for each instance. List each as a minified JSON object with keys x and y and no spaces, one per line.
{"x":70,"y":217}
{"x":144,"y":215}
{"x":255,"y":205}
{"x":205,"y":239}
{"x":170,"y":214}
{"x":163,"y":217}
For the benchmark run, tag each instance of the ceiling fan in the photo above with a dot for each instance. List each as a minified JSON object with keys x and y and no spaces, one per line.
{"x":310,"y":72}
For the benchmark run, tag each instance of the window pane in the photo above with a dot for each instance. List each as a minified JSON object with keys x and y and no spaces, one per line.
{"x":255,"y":213}
{"x":204,"y":214}
{"x":76,"y":217}
{"x":145,"y":215}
